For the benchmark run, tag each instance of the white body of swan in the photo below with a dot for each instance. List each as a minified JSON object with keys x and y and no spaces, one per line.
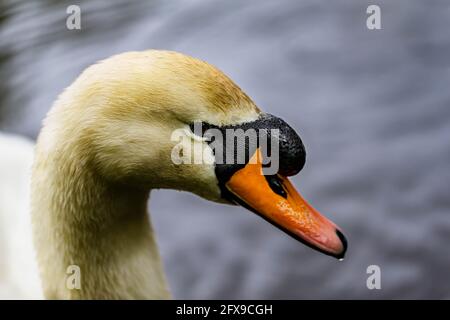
{"x":18,"y":269}
{"x":107,"y":142}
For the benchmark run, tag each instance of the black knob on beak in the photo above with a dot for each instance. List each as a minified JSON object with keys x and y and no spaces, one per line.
{"x":292,"y":155}
{"x":291,"y":151}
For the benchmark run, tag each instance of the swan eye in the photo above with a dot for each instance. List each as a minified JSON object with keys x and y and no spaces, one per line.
{"x":199,"y":128}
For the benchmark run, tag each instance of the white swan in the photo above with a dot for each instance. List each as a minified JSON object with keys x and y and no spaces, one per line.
{"x":18,"y":269}
{"x":107,"y":142}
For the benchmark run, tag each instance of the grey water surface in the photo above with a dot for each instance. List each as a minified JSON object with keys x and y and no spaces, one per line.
{"x":373,"y":108}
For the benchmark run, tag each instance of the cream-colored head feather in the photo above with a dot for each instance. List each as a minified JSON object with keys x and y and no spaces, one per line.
{"x":105,"y":143}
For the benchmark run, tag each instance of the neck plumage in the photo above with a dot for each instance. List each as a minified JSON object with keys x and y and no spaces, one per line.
{"x":79,"y":219}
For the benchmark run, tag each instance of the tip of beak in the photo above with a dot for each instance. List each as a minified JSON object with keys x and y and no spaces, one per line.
{"x":344,"y":245}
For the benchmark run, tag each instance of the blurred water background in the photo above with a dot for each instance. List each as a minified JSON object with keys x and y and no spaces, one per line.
{"x":373,"y":108}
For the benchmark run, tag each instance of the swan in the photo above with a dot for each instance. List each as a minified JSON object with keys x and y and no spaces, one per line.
{"x":18,"y":269}
{"x":107,"y":142}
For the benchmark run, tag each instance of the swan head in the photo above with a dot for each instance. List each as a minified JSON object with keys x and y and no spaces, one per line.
{"x":159,"y":119}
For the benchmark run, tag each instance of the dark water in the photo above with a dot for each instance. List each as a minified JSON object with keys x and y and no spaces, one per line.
{"x":373,"y":108}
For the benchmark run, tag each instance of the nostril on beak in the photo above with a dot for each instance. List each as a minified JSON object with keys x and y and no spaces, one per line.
{"x":276,"y":185}
{"x":344,"y":244}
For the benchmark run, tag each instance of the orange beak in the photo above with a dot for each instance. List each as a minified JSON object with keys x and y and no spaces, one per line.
{"x":276,"y":200}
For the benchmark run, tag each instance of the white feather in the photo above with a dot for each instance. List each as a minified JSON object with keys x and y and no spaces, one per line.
{"x":18,"y":269}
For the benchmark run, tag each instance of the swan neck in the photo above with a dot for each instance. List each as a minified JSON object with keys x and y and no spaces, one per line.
{"x":101,"y":228}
